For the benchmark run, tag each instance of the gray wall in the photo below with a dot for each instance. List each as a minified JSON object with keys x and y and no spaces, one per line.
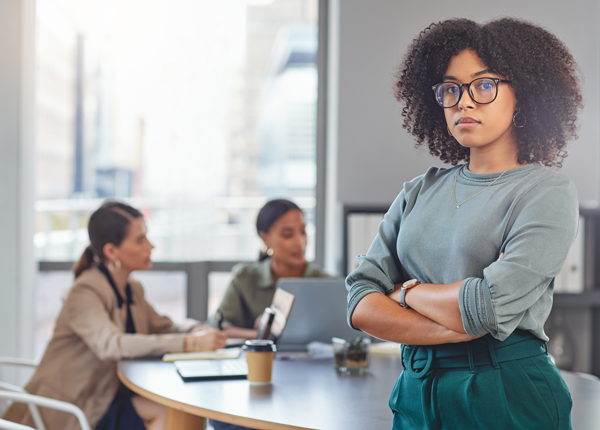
{"x":374,"y":154}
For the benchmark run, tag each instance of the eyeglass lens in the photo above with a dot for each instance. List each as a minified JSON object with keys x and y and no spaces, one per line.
{"x":481,"y":91}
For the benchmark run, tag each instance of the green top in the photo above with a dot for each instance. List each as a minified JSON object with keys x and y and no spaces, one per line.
{"x":251,"y":290}
{"x":530,"y":215}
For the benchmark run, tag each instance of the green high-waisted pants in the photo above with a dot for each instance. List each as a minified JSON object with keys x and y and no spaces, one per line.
{"x":482,"y":384}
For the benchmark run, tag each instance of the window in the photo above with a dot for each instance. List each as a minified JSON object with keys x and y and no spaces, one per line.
{"x":196,"y":112}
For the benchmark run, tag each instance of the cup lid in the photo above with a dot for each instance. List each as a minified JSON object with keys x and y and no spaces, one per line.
{"x":259,"y":345}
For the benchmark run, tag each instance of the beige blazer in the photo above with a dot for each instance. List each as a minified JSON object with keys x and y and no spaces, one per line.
{"x":80,"y":362}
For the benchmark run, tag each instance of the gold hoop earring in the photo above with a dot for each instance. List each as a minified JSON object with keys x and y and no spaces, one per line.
{"x":449,"y":132}
{"x":113,"y":266}
{"x":515,"y":121}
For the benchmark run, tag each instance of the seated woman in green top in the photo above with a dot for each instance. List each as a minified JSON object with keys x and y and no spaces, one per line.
{"x":281,"y":226}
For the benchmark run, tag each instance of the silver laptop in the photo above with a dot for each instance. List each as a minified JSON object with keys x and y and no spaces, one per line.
{"x":318,"y":313}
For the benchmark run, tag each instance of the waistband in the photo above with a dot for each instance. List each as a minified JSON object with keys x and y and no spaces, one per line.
{"x":419,"y":361}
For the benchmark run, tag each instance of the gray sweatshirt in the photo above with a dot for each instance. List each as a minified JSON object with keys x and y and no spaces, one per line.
{"x":530,"y":214}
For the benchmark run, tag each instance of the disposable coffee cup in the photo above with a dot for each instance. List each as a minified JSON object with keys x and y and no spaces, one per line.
{"x":259,"y":356}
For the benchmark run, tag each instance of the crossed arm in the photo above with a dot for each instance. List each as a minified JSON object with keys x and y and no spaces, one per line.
{"x":437,"y":302}
{"x":434,"y":318}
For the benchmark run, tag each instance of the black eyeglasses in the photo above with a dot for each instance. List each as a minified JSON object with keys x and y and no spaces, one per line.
{"x":481,"y":90}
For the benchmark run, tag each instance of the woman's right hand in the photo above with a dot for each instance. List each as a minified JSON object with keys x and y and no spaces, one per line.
{"x":204,"y":341}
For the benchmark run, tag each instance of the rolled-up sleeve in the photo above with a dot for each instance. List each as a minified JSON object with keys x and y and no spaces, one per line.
{"x":380,"y":269}
{"x":514,"y":290}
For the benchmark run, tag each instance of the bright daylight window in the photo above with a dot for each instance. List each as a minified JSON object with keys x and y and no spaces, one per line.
{"x":195,"y":111}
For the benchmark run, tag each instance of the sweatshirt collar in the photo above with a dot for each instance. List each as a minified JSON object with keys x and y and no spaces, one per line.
{"x":467,"y":176}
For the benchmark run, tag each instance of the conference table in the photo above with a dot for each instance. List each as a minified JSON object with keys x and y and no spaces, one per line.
{"x":303,"y":395}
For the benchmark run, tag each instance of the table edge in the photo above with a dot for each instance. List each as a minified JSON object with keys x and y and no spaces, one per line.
{"x":202,"y":412}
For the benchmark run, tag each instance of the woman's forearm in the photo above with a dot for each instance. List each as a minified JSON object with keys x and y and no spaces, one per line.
{"x":438,"y":302}
{"x":380,"y":316}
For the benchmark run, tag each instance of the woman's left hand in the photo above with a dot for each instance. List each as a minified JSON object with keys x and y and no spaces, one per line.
{"x":204,"y":341}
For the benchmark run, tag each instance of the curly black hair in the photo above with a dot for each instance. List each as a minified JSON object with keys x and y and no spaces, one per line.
{"x":544,"y":75}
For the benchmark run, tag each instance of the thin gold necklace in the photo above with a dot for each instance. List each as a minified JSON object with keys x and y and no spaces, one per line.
{"x":456,"y":176}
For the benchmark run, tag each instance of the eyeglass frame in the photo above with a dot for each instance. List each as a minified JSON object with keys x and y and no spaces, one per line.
{"x":460,"y":89}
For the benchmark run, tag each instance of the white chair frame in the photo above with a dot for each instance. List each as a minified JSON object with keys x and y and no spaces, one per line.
{"x":45,"y":402}
{"x":9,"y":425}
{"x":33,"y":410}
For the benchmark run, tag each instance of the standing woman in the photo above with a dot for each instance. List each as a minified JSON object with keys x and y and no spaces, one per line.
{"x":281,"y":226}
{"x":105,"y":317}
{"x":462,"y":269}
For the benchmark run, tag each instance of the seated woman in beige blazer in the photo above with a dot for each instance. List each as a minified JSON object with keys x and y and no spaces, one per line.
{"x":105,"y":317}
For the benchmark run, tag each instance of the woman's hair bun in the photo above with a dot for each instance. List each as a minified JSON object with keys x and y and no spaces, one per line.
{"x":271,"y":212}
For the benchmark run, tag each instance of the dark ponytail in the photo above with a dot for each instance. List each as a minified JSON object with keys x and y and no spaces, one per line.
{"x":108,"y":224}
{"x":85,"y":262}
{"x":268,"y":214}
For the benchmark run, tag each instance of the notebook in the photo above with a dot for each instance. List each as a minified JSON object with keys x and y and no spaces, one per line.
{"x":219,"y":354}
{"x":212,"y":370}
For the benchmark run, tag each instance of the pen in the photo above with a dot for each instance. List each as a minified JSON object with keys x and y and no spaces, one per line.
{"x":219,"y":319}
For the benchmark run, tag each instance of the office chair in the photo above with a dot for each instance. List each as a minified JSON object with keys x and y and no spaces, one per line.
{"x":23,"y":362}
{"x":45,"y":402}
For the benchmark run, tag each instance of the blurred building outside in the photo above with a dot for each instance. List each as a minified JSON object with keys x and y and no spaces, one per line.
{"x":194,"y":111}
{"x":199,"y":140}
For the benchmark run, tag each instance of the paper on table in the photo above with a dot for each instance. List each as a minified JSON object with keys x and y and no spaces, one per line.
{"x":219,"y":354}
{"x":385,"y":348}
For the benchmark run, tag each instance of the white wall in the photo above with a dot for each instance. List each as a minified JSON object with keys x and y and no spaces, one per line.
{"x":374,"y":155}
{"x":17,"y":267}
